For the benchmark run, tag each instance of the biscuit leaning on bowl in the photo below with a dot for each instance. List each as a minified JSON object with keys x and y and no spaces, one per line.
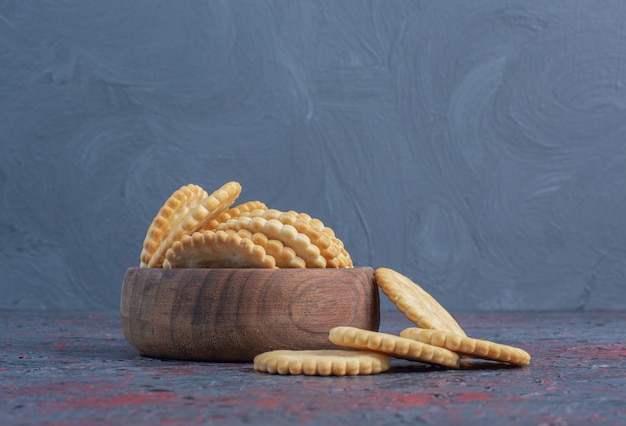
{"x":415,"y":303}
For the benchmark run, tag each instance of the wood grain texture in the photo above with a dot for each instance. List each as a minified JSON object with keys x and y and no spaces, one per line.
{"x":235,"y":314}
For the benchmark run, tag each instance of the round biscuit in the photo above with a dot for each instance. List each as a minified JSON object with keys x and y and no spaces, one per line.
{"x":414,"y":302}
{"x":273,"y":229}
{"x":236,"y":211}
{"x":333,"y":362}
{"x":285,"y":257}
{"x":170,"y":214}
{"x":217,"y":249}
{"x":395,"y":346}
{"x":331,"y":248}
{"x":468,"y":346}
{"x":209,"y":208}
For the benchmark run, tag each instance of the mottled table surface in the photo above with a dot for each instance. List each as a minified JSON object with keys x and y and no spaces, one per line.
{"x":75,"y":368}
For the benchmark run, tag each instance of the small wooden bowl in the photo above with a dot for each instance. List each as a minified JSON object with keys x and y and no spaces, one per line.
{"x":236,"y":314}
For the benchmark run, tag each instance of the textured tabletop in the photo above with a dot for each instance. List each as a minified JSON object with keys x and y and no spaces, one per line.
{"x":73,"y":367}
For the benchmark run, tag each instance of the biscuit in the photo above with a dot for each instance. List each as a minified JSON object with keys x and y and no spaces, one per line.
{"x":171,"y":213}
{"x":331,"y":248}
{"x":414,"y":302}
{"x":343,"y":259}
{"x":312,"y":228}
{"x":305,"y":224}
{"x":208,"y":208}
{"x":474,"y":348}
{"x":216,"y":249}
{"x":285,"y":257}
{"x":396,"y":346}
{"x":276,"y":230}
{"x":322,"y":362}
{"x":236,"y":211}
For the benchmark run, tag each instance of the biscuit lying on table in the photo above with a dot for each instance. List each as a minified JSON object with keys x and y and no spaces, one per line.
{"x":468,"y":346}
{"x":395,"y":346}
{"x":321,"y":362}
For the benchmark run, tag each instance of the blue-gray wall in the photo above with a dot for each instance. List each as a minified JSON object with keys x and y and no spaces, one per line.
{"x":479,"y":147}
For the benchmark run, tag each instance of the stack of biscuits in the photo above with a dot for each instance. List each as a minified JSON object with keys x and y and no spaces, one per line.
{"x":195,"y":229}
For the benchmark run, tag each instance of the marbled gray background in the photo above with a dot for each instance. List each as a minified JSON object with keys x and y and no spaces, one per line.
{"x":476,"y":146}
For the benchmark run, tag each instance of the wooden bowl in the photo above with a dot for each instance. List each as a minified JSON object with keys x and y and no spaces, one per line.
{"x":236,"y":314}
